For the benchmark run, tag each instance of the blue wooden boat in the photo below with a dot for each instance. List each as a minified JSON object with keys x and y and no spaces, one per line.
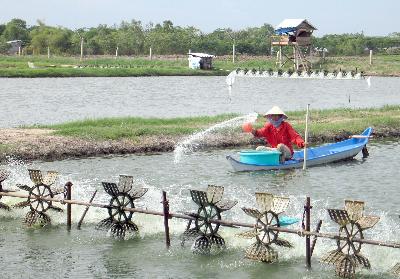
{"x":324,"y":154}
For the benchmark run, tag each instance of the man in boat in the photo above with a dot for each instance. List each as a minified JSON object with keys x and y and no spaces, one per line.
{"x":278,"y":134}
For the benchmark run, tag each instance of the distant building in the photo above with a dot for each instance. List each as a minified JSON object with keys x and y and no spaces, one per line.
{"x":199,"y":60}
{"x":295,"y":33}
{"x":15,"y":46}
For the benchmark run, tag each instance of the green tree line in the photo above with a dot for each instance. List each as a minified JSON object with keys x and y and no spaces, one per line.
{"x":136,"y":38}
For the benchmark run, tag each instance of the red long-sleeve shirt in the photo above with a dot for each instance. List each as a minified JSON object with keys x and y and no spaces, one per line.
{"x":283,"y":134}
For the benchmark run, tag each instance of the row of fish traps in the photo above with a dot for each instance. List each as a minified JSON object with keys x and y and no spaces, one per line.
{"x":346,"y":257}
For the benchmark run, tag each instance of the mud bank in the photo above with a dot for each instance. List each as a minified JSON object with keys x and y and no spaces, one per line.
{"x":41,"y":144}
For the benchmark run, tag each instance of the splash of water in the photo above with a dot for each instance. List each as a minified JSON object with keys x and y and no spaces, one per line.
{"x":230,"y":79}
{"x":368,"y":82}
{"x":188,"y":144}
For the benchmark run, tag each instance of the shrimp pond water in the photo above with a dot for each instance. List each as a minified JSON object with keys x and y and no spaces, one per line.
{"x":54,"y":100}
{"x":54,"y":252}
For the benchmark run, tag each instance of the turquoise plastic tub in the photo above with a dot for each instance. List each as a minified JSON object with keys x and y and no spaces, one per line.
{"x":262,"y":157}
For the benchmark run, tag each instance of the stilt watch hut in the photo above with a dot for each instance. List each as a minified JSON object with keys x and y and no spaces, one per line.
{"x":293,"y":37}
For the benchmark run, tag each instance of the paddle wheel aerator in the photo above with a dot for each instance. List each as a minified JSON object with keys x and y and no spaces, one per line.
{"x":347,"y":256}
{"x":3,"y":176}
{"x":266,"y":218}
{"x":123,"y":196}
{"x":43,"y":187}
{"x":204,"y":231}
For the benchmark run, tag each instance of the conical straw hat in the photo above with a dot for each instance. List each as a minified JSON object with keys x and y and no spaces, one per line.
{"x":275,"y":110}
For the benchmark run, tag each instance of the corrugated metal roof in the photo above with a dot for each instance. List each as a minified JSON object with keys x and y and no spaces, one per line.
{"x":292,"y":23}
{"x":199,"y":54}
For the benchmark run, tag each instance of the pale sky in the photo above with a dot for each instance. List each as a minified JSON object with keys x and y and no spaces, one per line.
{"x":330,"y":17}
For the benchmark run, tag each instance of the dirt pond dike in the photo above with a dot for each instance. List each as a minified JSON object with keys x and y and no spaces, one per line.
{"x":42,"y":144}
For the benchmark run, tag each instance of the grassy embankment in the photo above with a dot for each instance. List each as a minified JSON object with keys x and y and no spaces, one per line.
{"x":96,"y":67}
{"x":133,"y":128}
{"x":325,"y":124}
{"x":13,"y":66}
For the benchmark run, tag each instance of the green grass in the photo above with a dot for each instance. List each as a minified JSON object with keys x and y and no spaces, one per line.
{"x":381,"y":64}
{"x":14,"y":66}
{"x":337,"y":121}
{"x":322,"y":123}
{"x":4,"y":148}
{"x":133,"y":128}
{"x":94,"y":72}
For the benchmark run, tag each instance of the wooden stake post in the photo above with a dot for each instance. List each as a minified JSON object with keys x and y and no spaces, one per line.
{"x":307,"y":209}
{"x":306,"y":139}
{"x":166,"y":217}
{"x":69,"y":209}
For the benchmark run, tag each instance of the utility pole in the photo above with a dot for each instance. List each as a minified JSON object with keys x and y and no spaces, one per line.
{"x":370,"y":56}
{"x":233,"y":52}
{"x":81,"y":49}
{"x":228,"y":31}
{"x":80,"y":33}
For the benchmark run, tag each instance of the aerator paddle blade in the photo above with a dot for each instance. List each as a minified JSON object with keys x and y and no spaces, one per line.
{"x":4,"y":174}
{"x":36,"y":218}
{"x":4,"y":206}
{"x":252,"y":212}
{"x":22,"y":204}
{"x":125,"y":183}
{"x":50,"y":178}
{"x":217,"y":240}
{"x":214,"y":193}
{"x":339,"y":216}
{"x":258,"y":251}
{"x":199,"y":197}
{"x":367,"y":222}
{"x":396,"y":270}
{"x":346,"y":268}
{"x":105,"y":224}
{"x":283,"y":243}
{"x":264,"y":201}
{"x":202,"y":244}
{"x":131,"y":227}
{"x":354,"y":209}
{"x":118,"y":230}
{"x":333,"y":257}
{"x":280,"y":204}
{"x":110,"y":188}
{"x":248,"y":234}
{"x":36,"y":176}
{"x":24,"y":187}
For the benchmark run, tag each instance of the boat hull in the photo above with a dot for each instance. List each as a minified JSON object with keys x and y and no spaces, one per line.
{"x":316,"y":156}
